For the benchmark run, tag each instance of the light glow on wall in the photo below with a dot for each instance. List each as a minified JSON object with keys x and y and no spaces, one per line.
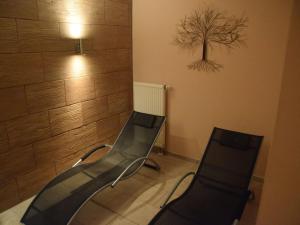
{"x":74,"y":18}
{"x":75,"y":31}
{"x":77,"y":65}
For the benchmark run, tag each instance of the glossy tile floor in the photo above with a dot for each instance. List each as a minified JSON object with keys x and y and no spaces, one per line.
{"x":136,"y":200}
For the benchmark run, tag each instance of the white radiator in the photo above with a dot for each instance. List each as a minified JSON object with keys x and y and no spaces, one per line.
{"x":151,"y":99}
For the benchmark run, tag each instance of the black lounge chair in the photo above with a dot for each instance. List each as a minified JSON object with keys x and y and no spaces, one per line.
{"x":62,"y":197}
{"x":219,"y":191}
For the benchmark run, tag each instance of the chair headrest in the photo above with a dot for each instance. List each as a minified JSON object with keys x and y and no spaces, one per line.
{"x":144,"y":120}
{"x":234,"y":140}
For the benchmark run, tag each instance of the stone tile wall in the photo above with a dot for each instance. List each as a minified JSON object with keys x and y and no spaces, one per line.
{"x":54,"y":103}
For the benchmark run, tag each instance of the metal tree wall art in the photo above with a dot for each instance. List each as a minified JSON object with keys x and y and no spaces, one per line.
{"x":206,"y":29}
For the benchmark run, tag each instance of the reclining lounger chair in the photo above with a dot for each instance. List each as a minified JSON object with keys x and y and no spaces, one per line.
{"x":62,"y":197}
{"x":219,"y":191}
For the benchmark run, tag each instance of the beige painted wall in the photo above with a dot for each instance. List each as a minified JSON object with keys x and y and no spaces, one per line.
{"x":243,"y":96}
{"x":280,"y":203}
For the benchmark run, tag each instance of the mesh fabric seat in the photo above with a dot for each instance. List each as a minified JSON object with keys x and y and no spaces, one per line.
{"x":219,"y":191}
{"x":61,"y":199}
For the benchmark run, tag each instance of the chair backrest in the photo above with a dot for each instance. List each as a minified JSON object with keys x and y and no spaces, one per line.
{"x":139,"y":134}
{"x":229,"y":158}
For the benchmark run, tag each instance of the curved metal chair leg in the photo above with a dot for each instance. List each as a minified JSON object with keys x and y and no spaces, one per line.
{"x":131,"y":164}
{"x":175,"y":187}
{"x":153,"y":164}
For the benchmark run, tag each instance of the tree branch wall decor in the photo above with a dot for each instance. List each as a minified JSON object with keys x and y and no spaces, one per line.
{"x":207,"y":29}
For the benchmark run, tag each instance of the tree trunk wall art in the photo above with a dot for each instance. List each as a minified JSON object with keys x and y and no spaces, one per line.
{"x":207,"y":29}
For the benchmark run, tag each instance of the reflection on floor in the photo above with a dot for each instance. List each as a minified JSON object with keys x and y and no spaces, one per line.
{"x":136,"y":200}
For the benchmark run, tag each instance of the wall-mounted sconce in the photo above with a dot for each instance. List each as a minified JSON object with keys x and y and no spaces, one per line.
{"x":79,"y":47}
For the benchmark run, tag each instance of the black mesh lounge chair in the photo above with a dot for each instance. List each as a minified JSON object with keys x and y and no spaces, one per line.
{"x":62,"y":198}
{"x":219,"y":191}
